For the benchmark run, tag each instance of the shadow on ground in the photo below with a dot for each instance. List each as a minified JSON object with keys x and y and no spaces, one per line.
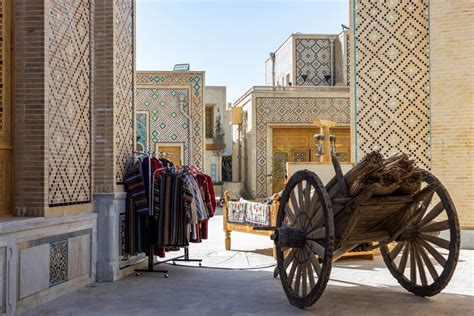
{"x":201,"y":291}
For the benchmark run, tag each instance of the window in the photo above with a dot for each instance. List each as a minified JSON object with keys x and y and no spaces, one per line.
{"x":209,"y":121}
{"x":288,"y":83}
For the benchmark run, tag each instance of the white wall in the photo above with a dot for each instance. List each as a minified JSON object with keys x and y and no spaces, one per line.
{"x":217,"y":96}
{"x":283,"y":64}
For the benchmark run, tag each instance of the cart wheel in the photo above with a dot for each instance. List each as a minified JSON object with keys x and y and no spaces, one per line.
{"x":429,"y":247}
{"x":304,"y":239}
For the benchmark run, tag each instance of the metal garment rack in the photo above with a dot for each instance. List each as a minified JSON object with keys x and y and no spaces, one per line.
{"x":151,"y":246}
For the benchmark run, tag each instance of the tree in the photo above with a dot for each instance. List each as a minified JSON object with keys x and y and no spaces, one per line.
{"x":218,"y":141}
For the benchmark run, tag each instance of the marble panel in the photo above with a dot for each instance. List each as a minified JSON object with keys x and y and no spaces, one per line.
{"x":34,"y":270}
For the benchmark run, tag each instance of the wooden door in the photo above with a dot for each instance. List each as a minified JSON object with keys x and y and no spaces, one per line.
{"x":5,"y":111}
{"x":175,"y":153}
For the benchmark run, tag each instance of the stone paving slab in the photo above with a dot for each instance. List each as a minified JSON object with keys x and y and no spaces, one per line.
{"x":357,"y":287}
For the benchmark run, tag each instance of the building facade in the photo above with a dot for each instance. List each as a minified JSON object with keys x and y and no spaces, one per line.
{"x":309,"y":60}
{"x":170,"y":114}
{"x":412,"y":90}
{"x":67,"y":89}
{"x":67,"y":122}
{"x":215,"y":99}
{"x":306,"y":80}
{"x":278,"y":127}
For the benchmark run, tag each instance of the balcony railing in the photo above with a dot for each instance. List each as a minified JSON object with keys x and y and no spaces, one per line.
{"x":292,"y":89}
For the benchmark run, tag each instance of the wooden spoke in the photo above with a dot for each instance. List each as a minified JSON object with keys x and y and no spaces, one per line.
{"x":310,"y":275}
{"x":412,"y":264}
{"x":394,"y":253}
{"x":316,"y":248}
{"x":302,"y":203}
{"x":419,"y":263}
{"x":437,"y":209}
{"x":298,"y":280}
{"x":291,"y":215}
{"x":316,"y":219}
{"x":438,"y":257}
{"x":313,"y":205}
{"x":288,"y":259}
{"x":306,"y":214}
{"x":307,"y":197}
{"x":423,"y":207}
{"x":318,"y":233}
{"x":404,"y":259}
{"x":428,"y":263}
{"x":291,"y":275}
{"x":295,"y":207}
{"x":301,"y":196}
{"x":432,"y":255}
{"x":435,"y":240}
{"x":435,"y":226}
{"x":315,"y":263}
{"x":304,"y":280}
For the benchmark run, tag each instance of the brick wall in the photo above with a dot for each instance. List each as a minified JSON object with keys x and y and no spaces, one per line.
{"x":452,"y":101}
{"x":103,"y":118}
{"x":114,"y":82}
{"x":30,"y":134}
{"x":70,"y":115}
{"x":68,"y":102}
{"x":392,"y":94}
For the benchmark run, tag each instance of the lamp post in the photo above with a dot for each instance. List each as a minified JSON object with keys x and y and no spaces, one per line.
{"x":323,"y":140}
{"x":236,"y":119}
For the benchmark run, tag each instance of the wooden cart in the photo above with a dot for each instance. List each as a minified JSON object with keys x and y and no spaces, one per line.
{"x":317,"y":224}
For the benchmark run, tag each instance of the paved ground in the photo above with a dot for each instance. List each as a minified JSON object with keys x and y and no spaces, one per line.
{"x":357,"y":287}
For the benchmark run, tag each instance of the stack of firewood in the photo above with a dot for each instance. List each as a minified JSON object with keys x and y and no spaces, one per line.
{"x":396,"y":175}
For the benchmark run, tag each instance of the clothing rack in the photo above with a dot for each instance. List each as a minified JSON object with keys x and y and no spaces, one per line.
{"x":151,"y":246}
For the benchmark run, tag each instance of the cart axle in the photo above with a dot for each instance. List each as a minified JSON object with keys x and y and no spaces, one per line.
{"x":290,"y":237}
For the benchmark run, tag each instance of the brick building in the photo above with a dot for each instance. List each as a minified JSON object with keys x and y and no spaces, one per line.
{"x":67,"y":90}
{"x":414,"y":89}
{"x":67,"y":125}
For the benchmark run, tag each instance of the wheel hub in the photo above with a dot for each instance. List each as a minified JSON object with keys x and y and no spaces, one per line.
{"x":290,"y":237}
{"x":409,"y":234}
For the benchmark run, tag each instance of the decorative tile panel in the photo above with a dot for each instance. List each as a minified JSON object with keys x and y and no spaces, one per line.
{"x":271,"y":111}
{"x":143,"y":133}
{"x":167,"y":122}
{"x":58,"y":262}
{"x":68,"y":101}
{"x":122,"y":235}
{"x":124,"y":80}
{"x":348,"y":57}
{"x":209,"y":121}
{"x":392,"y":86}
{"x":313,"y":58}
{"x":194,"y":105}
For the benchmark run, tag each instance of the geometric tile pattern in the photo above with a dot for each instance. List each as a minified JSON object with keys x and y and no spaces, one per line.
{"x":392,"y":86}
{"x":68,"y":89}
{"x":122,"y":235}
{"x":142,"y":131}
{"x":58,"y":262}
{"x":124,"y":81}
{"x":209,"y":121}
{"x":271,"y":110}
{"x":348,"y":57}
{"x":194,"y":81}
{"x":3,"y":38}
{"x":313,"y":58}
{"x":167,"y":122}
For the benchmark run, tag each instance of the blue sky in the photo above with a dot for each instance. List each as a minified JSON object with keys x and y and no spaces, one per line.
{"x":228,"y":39}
